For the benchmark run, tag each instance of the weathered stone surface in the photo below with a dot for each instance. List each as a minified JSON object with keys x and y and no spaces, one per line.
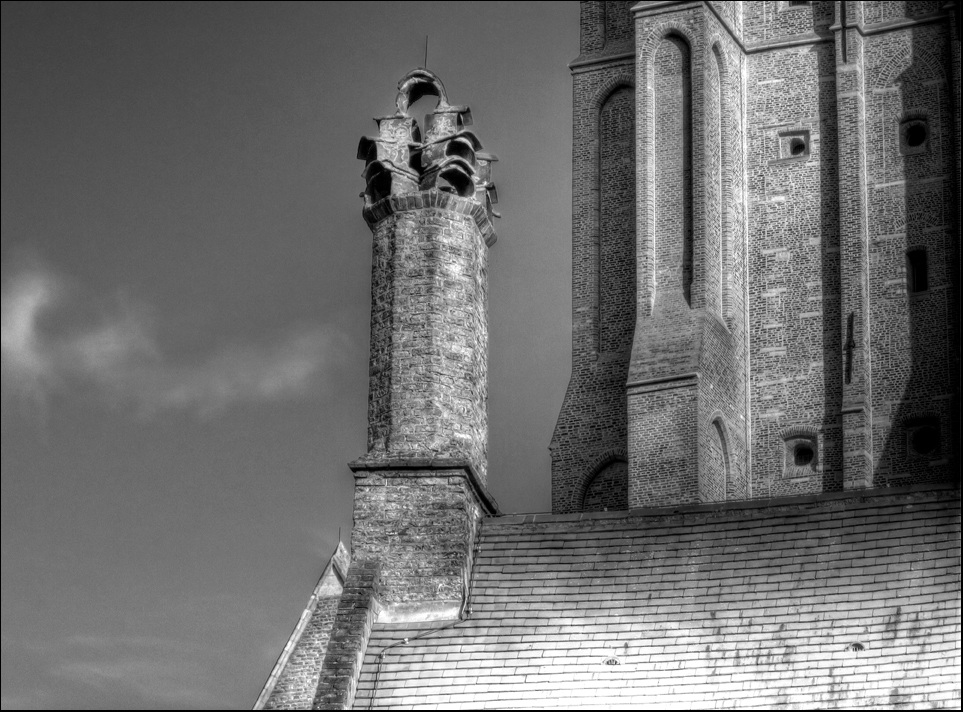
{"x":420,"y":487}
{"x":357,"y":611}
{"x":429,"y":338}
{"x":421,"y":526}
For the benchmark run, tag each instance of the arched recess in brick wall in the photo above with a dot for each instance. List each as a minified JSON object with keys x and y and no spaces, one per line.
{"x":671,"y":279}
{"x":920,"y":438}
{"x":717,"y":482}
{"x":613,"y":88}
{"x":725,"y":130}
{"x":911,"y":82}
{"x":605,"y":486}
{"x":923,"y":66}
{"x":615,"y":160}
{"x":648,"y":172}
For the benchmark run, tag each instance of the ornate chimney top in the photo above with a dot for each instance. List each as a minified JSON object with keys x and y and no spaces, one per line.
{"x":441,"y":157}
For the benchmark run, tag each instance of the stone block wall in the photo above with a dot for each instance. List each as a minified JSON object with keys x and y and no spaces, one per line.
{"x":616,"y":297}
{"x":420,"y":525}
{"x":772,"y":22}
{"x":731,"y":12}
{"x":721,"y":452}
{"x":606,"y":27}
{"x":842,"y":345}
{"x":296,"y":688}
{"x":609,"y":489}
{"x":725,"y":426}
{"x":358,"y":609}
{"x":429,"y":331}
{"x":663,"y":425}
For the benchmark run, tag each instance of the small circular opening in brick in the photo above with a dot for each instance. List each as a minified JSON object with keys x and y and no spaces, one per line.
{"x":856,"y":647}
{"x":803,"y":455}
{"x":915,"y":135}
{"x":797,"y":147}
{"x":925,"y":440}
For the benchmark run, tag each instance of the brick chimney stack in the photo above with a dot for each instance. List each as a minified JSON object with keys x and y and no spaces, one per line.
{"x":421,"y":486}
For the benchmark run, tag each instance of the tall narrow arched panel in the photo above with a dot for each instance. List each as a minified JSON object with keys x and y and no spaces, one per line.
{"x":672,"y":152}
{"x":715,"y":252}
{"x":593,"y":416}
{"x":714,"y":483}
{"x":683,"y":373}
{"x":617,"y":268}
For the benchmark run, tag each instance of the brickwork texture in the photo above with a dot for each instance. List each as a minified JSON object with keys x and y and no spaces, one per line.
{"x":795,"y":283}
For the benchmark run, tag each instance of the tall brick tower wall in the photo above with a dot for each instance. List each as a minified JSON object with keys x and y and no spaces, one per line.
{"x":659,"y":416}
{"x":589,"y":455}
{"x":794,"y":259}
{"x":687,"y":379}
{"x":795,"y":326}
{"x":853,"y":244}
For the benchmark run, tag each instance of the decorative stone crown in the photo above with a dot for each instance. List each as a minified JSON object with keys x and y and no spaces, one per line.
{"x":447,"y":158}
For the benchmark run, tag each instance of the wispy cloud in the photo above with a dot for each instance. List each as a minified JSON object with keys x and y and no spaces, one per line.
{"x":25,"y":366}
{"x":162,"y":681}
{"x":48,"y":348}
{"x":159,"y":671}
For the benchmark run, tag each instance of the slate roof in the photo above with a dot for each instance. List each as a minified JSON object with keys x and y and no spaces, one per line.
{"x":749,"y":605}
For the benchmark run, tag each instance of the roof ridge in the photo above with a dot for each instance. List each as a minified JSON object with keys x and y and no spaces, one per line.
{"x":938,"y":492}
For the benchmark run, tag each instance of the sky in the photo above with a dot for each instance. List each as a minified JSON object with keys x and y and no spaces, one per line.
{"x":185,"y":306}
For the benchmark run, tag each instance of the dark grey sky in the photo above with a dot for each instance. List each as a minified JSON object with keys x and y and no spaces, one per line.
{"x":185,"y":277}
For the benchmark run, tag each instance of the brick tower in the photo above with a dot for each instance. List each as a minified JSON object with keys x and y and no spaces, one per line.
{"x":420,"y":490}
{"x":766,"y":255}
{"x":656,"y":409}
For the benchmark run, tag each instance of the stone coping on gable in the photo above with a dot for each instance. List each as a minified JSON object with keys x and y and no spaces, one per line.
{"x":744,"y":504}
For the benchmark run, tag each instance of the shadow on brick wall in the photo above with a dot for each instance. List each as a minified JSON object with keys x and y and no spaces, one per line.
{"x":917,"y":322}
{"x":832,"y":473}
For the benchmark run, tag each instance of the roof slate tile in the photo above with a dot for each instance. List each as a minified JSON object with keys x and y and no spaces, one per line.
{"x":747,"y":605}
